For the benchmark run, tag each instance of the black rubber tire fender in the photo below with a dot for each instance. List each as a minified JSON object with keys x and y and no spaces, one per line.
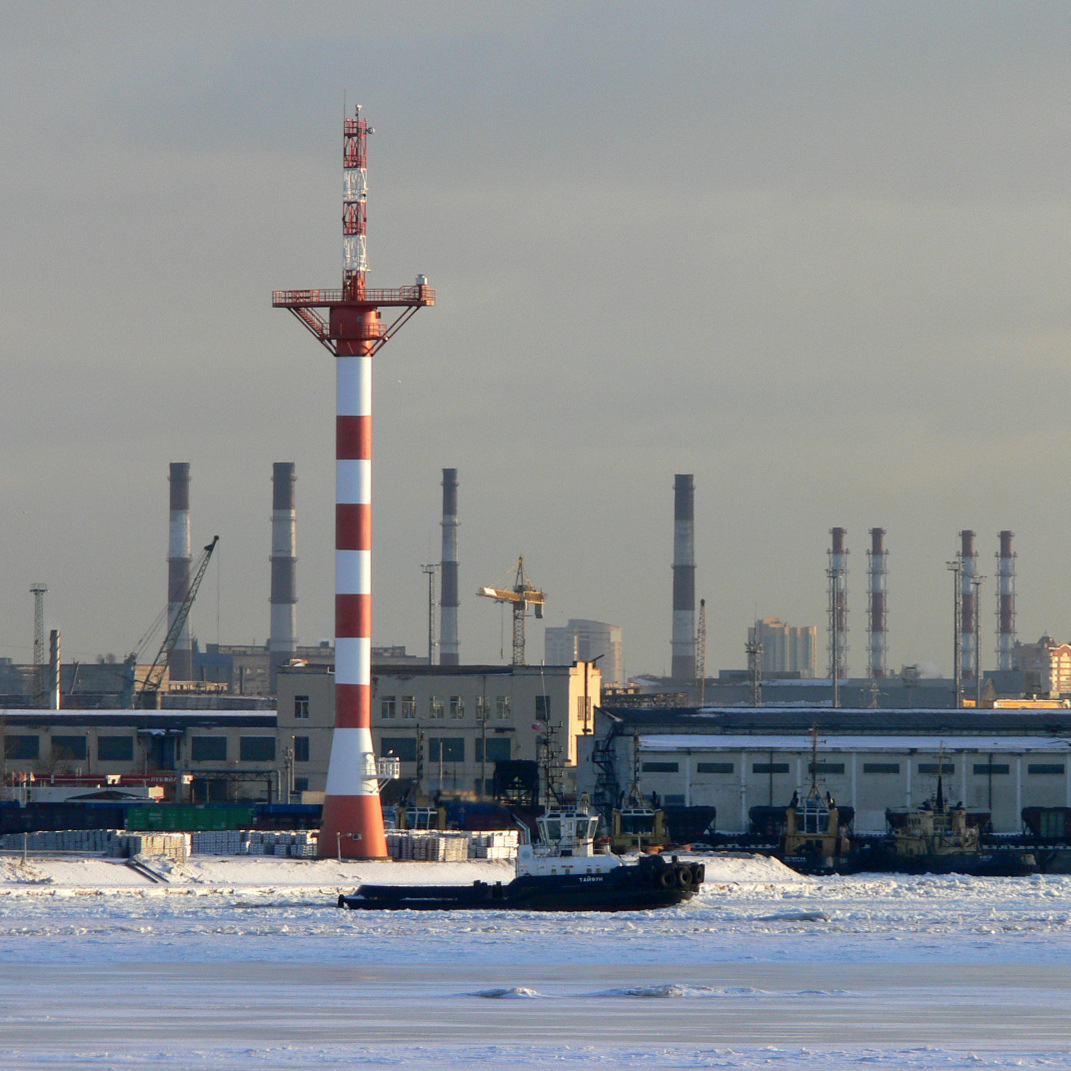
{"x":684,"y":877}
{"x":666,"y":878}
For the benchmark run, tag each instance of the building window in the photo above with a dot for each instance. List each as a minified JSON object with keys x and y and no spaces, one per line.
{"x":881,"y":767}
{"x":256,"y":749}
{"x":457,"y":707}
{"x":1043,"y":768}
{"x":497,"y":749}
{"x":400,"y":747}
{"x":714,"y":767}
{"x":502,"y":710}
{"x":825,"y":767}
{"x":931,"y":768}
{"x":387,"y":707}
{"x":483,"y":708}
{"x":70,"y":748}
{"x":301,"y":707}
{"x":115,"y":748}
{"x":301,"y":784}
{"x":22,"y":747}
{"x":208,"y":749}
{"x":409,"y":706}
{"x":542,"y":707}
{"x":770,"y":767}
{"x":436,"y":707}
{"x":301,"y":749}
{"x":660,"y":767}
{"x":986,"y":768}
{"x":446,"y":749}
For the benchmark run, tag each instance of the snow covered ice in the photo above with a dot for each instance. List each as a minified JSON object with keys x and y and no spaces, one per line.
{"x":243,"y":963}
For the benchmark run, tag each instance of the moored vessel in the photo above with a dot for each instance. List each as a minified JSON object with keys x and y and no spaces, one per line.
{"x":562,"y":872}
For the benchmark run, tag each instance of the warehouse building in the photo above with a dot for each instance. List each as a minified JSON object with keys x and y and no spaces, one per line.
{"x":733,"y":759}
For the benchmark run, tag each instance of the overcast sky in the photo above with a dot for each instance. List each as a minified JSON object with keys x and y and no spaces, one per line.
{"x":814,"y":253}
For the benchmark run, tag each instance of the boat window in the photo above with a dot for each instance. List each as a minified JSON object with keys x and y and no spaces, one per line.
{"x":552,"y":830}
{"x":593,"y":827}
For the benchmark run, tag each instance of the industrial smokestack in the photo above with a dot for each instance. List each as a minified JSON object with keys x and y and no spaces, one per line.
{"x":683,"y":645}
{"x":877,"y":648}
{"x":178,"y":568}
{"x":838,"y":605}
{"x":54,"y":669}
{"x":1006,"y":601}
{"x":968,"y":636}
{"x":282,"y":641}
{"x":448,"y":643}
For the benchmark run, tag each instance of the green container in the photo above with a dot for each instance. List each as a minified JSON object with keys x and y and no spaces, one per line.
{"x":185,"y":817}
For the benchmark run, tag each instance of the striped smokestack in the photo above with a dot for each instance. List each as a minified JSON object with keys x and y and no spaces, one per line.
{"x":448,"y":643}
{"x":683,"y":645}
{"x":1006,"y":601}
{"x":178,"y":568}
{"x":877,"y":556}
{"x":968,"y":636}
{"x":282,"y":640}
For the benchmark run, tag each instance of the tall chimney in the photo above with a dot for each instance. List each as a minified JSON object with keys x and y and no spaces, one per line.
{"x":968,"y":636}
{"x":838,"y":605}
{"x":1006,"y":601}
{"x":877,"y":556}
{"x":683,"y":644}
{"x":178,"y":568}
{"x":282,"y":642}
{"x":448,"y":643}
{"x":54,"y":669}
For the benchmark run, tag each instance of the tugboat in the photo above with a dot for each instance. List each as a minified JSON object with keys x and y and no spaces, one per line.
{"x":939,"y":839}
{"x":815,"y":839}
{"x":563,"y":872}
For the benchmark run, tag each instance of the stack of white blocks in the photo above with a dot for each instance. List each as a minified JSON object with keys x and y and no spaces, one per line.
{"x":174,"y":846}
{"x":298,"y":844}
{"x":495,"y":844}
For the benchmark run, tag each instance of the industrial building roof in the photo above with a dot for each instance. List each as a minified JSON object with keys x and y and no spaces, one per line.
{"x":796,"y":720}
{"x":896,"y":744}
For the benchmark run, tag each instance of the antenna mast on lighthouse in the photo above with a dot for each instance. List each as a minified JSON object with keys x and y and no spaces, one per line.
{"x":353,"y":331}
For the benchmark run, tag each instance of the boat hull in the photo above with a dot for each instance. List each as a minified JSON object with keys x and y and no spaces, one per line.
{"x":626,"y":888}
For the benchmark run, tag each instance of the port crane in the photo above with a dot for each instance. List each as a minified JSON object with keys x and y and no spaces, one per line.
{"x":148,"y":692}
{"x":522,"y":595}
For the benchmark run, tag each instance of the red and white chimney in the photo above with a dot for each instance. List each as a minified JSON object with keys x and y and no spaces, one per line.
{"x":1006,"y":601}
{"x":178,"y":568}
{"x":968,"y":616}
{"x":877,"y":569}
{"x":449,"y":652}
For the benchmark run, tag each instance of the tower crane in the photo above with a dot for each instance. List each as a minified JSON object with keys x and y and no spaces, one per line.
{"x":150,"y":687}
{"x":521,"y":595}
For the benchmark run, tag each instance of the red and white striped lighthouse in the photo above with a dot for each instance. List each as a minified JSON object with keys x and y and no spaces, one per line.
{"x":352,"y":825}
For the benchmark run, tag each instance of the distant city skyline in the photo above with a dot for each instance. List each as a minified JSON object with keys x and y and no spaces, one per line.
{"x":813,"y":254}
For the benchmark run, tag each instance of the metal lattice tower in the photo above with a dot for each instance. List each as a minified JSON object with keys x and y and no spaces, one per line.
{"x":837,"y":574}
{"x":38,"y":589}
